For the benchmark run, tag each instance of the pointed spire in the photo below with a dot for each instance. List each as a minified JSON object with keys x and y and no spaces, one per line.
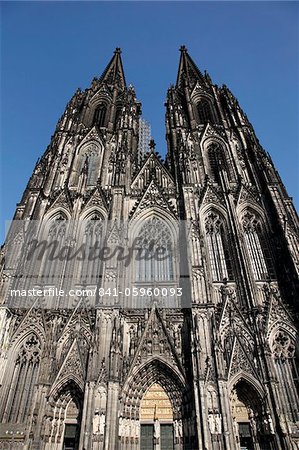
{"x":114,"y":72}
{"x":187,"y":69}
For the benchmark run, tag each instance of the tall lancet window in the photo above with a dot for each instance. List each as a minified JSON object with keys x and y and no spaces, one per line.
{"x":156,"y":251}
{"x":214,"y":156}
{"x":216,"y":162}
{"x":90,"y":160}
{"x":217,"y":249}
{"x":204,"y":111}
{"x":118,"y":116}
{"x":53,"y":261}
{"x":93,"y":235}
{"x":286,"y":364}
{"x":24,"y":377}
{"x":253,"y":236}
{"x":100,"y":115}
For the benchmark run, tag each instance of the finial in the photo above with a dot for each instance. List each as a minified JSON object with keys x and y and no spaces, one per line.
{"x":152,"y":144}
{"x":117,"y":51}
{"x":183,"y":49}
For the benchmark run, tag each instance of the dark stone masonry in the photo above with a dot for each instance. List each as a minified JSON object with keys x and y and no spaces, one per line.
{"x":194,"y":348}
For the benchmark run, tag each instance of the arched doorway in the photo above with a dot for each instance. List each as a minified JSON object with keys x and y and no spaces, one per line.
{"x":156,"y":420}
{"x":71,"y":426}
{"x":61,"y":428}
{"x":251,"y":422}
{"x":141,"y":406}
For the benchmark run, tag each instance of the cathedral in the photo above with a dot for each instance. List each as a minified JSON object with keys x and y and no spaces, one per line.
{"x":191,"y":346}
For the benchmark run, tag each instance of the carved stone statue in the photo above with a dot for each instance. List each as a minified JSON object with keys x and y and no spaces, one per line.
{"x":96,"y":422}
{"x":156,"y":429}
{"x":236,"y":429}
{"x":121,"y":426}
{"x":218,"y":423}
{"x":102,"y":423}
{"x":211,"y":423}
{"x":252,"y":422}
{"x":270,"y":423}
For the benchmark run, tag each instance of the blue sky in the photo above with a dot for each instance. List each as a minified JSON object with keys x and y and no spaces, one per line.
{"x":48,"y":49}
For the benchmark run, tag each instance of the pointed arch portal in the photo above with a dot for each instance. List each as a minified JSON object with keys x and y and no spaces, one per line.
{"x":156,"y":401}
{"x":252,"y":423}
{"x":62,"y":424}
{"x":156,"y":419}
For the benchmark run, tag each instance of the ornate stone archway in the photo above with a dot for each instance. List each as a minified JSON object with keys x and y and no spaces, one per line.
{"x":63,"y":417}
{"x":252,"y":422}
{"x":171,"y":385}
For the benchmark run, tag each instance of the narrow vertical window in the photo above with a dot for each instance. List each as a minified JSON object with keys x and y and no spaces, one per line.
{"x":286,"y":365}
{"x":92,"y":169}
{"x":52,"y":266}
{"x":118,"y":117}
{"x":214,"y":154}
{"x":204,"y":111}
{"x":90,"y":159}
{"x":91,"y":267}
{"x":217,"y":161}
{"x":252,"y":235}
{"x":100,"y":115}
{"x":218,"y":254}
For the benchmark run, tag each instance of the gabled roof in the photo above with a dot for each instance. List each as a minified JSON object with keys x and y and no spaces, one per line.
{"x":154,"y":161}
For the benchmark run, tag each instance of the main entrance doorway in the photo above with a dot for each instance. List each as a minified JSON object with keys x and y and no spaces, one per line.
{"x":247,"y":413}
{"x":156,"y":420}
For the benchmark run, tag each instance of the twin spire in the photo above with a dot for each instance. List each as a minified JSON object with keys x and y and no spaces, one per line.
{"x":188,"y":70}
{"x":114,"y":72}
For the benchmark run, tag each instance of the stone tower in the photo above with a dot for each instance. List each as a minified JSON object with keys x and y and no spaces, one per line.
{"x":192,"y":350}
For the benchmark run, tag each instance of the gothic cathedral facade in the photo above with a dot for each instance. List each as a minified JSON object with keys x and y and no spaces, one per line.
{"x":217,"y":372}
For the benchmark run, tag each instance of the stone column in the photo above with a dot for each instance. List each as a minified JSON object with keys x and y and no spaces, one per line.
{"x":228,"y":433}
{"x":111,"y":416}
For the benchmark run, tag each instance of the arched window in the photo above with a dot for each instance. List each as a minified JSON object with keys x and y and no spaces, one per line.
{"x":91,"y":160}
{"x":286,"y":365}
{"x":217,"y":249}
{"x":93,"y":235}
{"x":214,"y":155}
{"x":204,"y":111}
{"x":90,"y":163}
{"x":256,"y":247}
{"x":118,"y":116}
{"x":53,"y":260}
{"x":154,"y":259}
{"x":216,"y":162}
{"x":100,"y":115}
{"x":23,"y":380}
